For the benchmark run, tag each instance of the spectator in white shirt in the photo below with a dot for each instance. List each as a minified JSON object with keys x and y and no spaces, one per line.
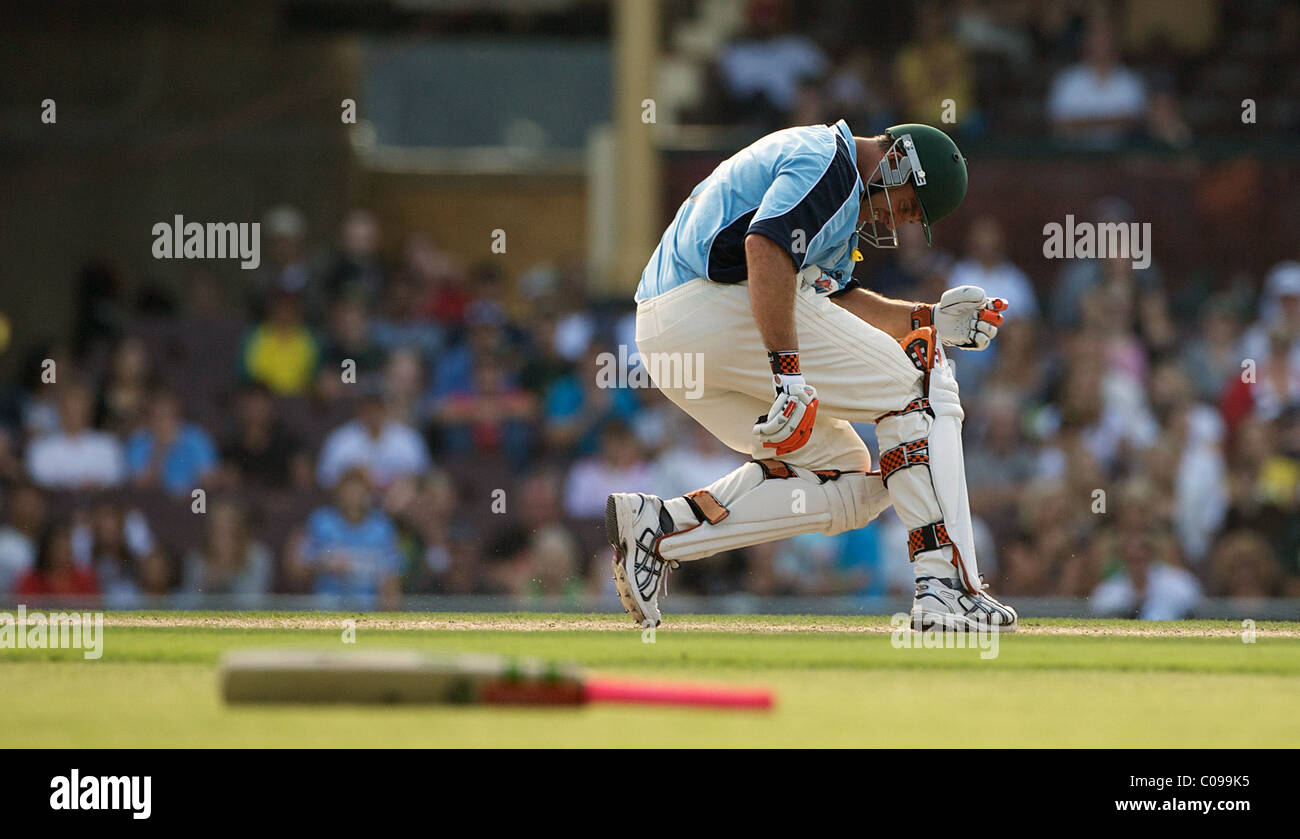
{"x":1097,"y":102}
{"x":386,"y":448}
{"x":618,"y":465}
{"x":1279,"y":313}
{"x":76,"y":456}
{"x":987,"y":266}
{"x":1147,"y":587}
{"x":695,"y":460}
{"x":766,"y":68}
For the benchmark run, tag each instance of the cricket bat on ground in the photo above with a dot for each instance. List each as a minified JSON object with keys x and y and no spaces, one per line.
{"x":394,"y":677}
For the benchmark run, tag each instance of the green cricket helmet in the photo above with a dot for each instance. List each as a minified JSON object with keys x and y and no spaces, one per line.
{"x":937,"y":169}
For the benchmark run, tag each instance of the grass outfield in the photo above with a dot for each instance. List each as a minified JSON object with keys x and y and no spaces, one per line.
{"x":838,"y":681}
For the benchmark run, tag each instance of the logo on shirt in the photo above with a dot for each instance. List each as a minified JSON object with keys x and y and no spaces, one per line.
{"x":827,"y":281}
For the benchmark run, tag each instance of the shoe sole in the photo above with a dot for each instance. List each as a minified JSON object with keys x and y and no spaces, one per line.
{"x":923,"y":621}
{"x":619,"y":562}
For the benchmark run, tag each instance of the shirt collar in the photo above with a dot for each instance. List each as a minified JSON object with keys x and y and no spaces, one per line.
{"x":843,"y":127}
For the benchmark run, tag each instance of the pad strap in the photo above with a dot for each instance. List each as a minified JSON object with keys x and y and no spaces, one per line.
{"x":927,"y":537}
{"x":773,"y":468}
{"x":917,"y":452}
{"x":931,"y":537}
{"x":919,"y":404}
{"x":706,"y":507}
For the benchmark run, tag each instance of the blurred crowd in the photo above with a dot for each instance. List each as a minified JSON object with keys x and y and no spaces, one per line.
{"x":364,"y":424}
{"x":1118,"y":451}
{"x":341,"y":422}
{"x":1092,"y":74}
{"x":366,"y":416}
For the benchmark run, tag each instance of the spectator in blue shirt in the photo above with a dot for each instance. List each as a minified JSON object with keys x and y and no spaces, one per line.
{"x":846,"y":564}
{"x":169,"y":452}
{"x":350,"y":548}
{"x":578,"y":406}
{"x":488,"y":334}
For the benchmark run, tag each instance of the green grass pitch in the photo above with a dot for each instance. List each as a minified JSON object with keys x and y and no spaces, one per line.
{"x":838,"y":682}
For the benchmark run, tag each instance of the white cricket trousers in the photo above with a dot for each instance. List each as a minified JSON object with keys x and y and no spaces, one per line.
{"x":859,"y":371}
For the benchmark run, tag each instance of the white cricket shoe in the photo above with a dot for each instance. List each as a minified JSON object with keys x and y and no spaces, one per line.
{"x":943,"y":603}
{"x":634,"y":522}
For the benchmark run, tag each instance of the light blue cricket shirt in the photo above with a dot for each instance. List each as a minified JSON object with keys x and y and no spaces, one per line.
{"x":798,"y":187}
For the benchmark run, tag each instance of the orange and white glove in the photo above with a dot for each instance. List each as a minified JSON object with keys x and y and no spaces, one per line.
{"x":788,"y":424}
{"x":964,"y":317}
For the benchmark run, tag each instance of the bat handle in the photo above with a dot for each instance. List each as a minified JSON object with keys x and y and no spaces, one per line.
{"x":648,"y":693}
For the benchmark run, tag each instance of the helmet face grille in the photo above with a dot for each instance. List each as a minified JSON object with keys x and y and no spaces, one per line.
{"x":908,"y":163}
{"x":878,"y":235}
{"x":900,"y":163}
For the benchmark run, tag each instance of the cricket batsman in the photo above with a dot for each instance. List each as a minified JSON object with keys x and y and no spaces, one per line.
{"x":755,"y":277}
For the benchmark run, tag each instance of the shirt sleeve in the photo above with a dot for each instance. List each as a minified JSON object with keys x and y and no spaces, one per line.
{"x":205,"y":453}
{"x":391,"y":562}
{"x":846,"y":288}
{"x":330,"y":465}
{"x":1058,"y":98}
{"x":137,"y":453}
{"x":117,"y":464}
{"x":314,"y":537}
{"x":38,"y":464}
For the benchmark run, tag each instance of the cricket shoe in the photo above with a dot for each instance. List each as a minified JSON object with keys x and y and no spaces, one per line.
{"x":942,"y":602}
{"x":634,"y":522}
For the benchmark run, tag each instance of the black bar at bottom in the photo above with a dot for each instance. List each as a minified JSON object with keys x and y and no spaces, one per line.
{"x":494,"y":790}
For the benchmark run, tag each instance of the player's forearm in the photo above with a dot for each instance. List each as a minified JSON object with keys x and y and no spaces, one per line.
{"x":771,"y":292}
{"x":893,"y":317}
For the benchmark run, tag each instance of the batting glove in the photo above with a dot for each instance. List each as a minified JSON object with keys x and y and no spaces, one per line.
{"x":788,"y":424}
{"x":964,"y":317}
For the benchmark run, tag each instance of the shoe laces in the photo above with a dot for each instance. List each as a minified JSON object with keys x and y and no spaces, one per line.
{"x":669,"y":565}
